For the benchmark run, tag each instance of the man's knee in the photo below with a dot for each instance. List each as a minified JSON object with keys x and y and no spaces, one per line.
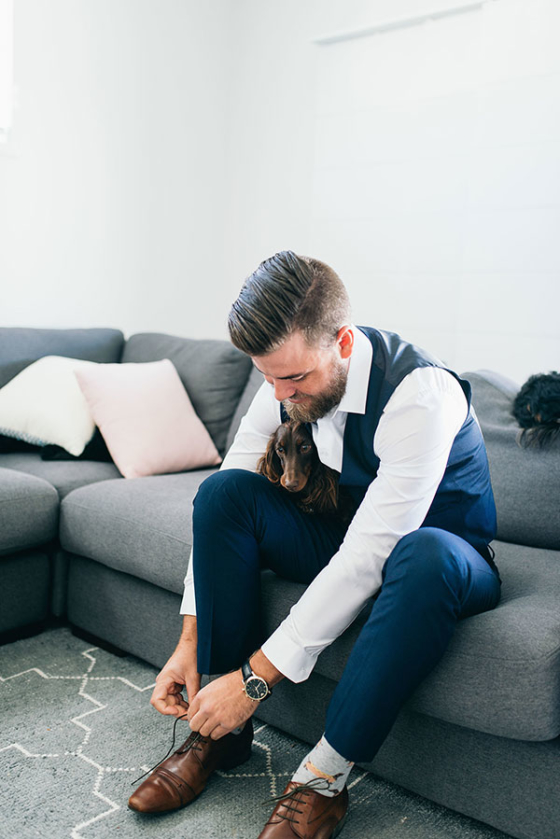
{"x":226,"y":487}
{"x":423,"y":554}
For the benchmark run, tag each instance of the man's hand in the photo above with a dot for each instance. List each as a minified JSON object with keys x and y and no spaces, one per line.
{"x":180,"y":671}
{"x":223,"y":704}
{"x":220,"y":706}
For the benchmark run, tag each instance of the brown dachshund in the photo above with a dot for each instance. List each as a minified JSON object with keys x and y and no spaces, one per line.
{"x":291,"y":461}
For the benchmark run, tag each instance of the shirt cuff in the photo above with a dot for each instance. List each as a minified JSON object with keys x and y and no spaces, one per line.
{"x":288,"y":657}
{"x":188,"y":604}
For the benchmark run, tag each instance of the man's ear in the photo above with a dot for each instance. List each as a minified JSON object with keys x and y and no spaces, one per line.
{"x":345,"y":341}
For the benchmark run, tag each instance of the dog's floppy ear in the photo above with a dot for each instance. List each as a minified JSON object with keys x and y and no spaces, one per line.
{"x":269,"y":465}
{"x":322,"y":493}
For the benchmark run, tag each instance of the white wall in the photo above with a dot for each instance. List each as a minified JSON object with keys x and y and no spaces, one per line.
{"x":162,"y":150}
{"x":423,"y":164}
{"x":111,"y":195}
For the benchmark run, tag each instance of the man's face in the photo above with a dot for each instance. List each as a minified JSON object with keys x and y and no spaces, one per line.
{"x":309,"y":381}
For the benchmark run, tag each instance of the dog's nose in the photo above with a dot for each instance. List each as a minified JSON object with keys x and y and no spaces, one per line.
{"x":292,"y":485}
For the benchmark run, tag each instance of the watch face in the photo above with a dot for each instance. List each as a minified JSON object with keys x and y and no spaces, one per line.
{"x":256,"y":688}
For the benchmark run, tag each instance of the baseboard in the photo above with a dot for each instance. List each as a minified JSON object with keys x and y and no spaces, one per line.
{"x":84,"y":635}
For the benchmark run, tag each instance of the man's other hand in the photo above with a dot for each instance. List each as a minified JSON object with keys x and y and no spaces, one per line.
{"x":221,"y":706}
{"x":179,"y":672}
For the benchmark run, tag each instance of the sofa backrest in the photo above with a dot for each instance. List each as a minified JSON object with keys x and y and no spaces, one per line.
{"x":21,"y":346}
{"x":526,"y":481}
{"x":254,"y":382}
{"x":213,"y":372}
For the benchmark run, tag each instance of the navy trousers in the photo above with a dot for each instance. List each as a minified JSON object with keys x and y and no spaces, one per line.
{"x":432,"y":579}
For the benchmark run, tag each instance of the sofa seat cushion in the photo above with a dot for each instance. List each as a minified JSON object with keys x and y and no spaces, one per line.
{"x":28,"y":511}
{"x":64,"y":475}
{"x":141,"y":526}
{"x":501,"y":671}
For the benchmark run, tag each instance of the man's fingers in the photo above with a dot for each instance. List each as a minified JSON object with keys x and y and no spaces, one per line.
{"x":207,"y":728}
{"x":170,"y":710}
{"x":194,"y":705}
{"x":167,"y":697}
{"x":175,"y":697}
{"x":196,"y":720}
{"x":193,"y":686}
{"x":182,"y":707}
{"x":218,"y":732}
{"x":162,"y":699}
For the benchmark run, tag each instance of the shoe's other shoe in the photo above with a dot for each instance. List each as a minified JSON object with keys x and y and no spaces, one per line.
{"x":306,"y":814}
{"x":182,"y":777}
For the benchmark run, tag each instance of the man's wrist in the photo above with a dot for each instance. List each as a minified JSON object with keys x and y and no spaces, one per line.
{"x":263,"y":667}
{"x":189,"y":631}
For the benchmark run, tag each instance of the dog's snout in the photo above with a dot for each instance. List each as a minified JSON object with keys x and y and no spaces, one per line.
{"x":293,"y":482}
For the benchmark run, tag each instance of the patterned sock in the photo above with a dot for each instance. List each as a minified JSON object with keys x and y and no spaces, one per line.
{"x":324,"y":762}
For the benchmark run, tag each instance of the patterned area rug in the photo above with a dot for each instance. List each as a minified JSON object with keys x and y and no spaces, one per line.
{"x":77,"y":729}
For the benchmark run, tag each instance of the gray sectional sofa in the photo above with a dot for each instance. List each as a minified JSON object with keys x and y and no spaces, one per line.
{"x":79,"y":542}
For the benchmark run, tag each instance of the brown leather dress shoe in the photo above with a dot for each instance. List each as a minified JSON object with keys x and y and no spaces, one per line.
{"x":182,"y":777}
{"x":307,"y":814}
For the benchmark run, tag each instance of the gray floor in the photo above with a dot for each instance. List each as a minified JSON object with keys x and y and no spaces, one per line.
{"x":77,"y":729}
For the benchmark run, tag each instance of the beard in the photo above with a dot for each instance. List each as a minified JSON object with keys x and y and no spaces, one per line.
{"x":320,"y":405}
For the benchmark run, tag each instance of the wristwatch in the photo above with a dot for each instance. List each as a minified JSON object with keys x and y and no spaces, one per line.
{"x":254,"y":686}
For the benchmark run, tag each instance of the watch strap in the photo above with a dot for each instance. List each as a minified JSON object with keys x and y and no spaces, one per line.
{"x":246,"y":670}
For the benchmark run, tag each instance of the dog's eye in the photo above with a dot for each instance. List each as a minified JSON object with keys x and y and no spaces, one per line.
{"x":279,"y":449}
{"x":305,"y":447}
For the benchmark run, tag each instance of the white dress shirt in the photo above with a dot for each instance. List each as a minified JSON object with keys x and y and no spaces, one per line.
{"x":412,"y":441}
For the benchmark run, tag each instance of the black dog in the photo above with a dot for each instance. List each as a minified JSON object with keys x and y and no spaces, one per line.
{"x":537,"y":410}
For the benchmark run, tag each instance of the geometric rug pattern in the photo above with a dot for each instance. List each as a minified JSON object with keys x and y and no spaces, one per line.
{"x":77,"y":728}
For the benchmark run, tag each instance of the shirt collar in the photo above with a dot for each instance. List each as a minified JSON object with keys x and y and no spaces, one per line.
{"x":357,"y":383}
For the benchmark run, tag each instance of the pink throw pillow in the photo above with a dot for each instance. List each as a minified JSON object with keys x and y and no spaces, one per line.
{"x":146,"y":418}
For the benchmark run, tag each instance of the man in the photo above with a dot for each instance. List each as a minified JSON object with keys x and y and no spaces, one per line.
{"x":399,"y":428}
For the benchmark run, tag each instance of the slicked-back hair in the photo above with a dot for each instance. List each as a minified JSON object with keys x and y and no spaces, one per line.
{"x":285,"y":294}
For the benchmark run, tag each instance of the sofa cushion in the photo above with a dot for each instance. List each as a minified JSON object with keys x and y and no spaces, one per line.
{"x":214,"y":374}
{"x":141,"y":526}
{"x":20,"y":346}
{"x":64,"y":475}
{"x":28,"y":511}
{"x":525,"y":481}
{"x":501,"y":671}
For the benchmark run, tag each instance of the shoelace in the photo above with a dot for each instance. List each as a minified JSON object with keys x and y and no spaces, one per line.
{"x":192,"y":742}
{"x":314,"y":785}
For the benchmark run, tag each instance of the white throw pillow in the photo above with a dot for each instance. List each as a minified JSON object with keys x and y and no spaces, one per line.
{"x":44,"y":405}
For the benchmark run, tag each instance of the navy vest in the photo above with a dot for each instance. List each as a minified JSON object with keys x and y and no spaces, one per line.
{"x":464,"y":501}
